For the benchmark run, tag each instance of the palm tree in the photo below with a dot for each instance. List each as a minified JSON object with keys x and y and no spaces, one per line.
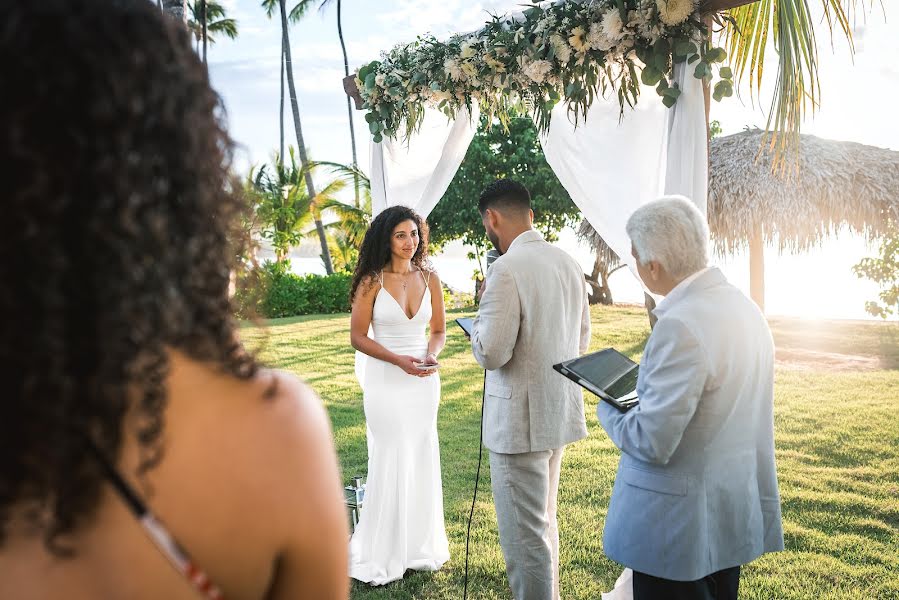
{"x":214,"y":22}
{"x":293,"y":16}
{"x":299,"y":9}
{"x":176,"y":8}
{"x":283,"y":205}
{"x":745,"y":31}
{"x":351,"y":218}
{"x":349,"y":108}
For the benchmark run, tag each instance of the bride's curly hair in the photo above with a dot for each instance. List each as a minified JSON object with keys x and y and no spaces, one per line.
{"x":119,"y":234}
{"x":375,"y":251}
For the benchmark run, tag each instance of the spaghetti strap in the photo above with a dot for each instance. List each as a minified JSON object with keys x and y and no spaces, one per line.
{"x":381,"y":277}
{"x":426,"y":275}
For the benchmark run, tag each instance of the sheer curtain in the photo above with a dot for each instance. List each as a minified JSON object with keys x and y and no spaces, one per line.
{"x":613,"y":164}
{"x":416,"y":172}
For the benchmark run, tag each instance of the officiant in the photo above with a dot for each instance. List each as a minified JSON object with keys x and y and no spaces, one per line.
{"x":696,"y":492}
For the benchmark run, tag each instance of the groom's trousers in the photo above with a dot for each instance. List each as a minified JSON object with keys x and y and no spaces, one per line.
{"x":525,"y":487}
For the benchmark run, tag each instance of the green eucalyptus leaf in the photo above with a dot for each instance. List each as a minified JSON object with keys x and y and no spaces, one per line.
{"x":725,"y":73}
{"x":650,"y":75}
{"x":370,"y":81}
{"x":668,"y":101}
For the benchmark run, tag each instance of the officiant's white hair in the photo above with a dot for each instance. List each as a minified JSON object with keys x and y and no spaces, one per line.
{"x":673,"y":232}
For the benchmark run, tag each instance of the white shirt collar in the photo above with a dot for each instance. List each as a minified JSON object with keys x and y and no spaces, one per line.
{"x":528,"y":235}
{"x":679,"y":290}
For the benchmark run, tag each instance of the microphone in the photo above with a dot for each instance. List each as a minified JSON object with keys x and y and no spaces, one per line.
{"x":491,"y":257}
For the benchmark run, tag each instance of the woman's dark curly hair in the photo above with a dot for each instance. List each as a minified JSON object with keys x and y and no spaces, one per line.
{"x":375,"y":252}
{"x":119,"y":232}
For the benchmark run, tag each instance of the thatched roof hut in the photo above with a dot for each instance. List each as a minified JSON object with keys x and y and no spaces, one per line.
{"x":588,"y":235}
{"x":834,"y":184}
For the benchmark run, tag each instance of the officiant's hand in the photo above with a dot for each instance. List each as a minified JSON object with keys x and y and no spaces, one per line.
{"x":407,"y":364}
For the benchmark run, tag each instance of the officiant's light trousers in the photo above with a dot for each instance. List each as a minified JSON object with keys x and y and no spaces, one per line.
{"x":525,"y":487}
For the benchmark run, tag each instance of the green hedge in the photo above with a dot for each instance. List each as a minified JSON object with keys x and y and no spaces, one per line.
{"x":284,"y":294}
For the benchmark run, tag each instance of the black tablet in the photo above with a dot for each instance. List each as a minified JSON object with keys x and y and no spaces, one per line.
{"x":465,"y":323}
{"x":608,"y":374}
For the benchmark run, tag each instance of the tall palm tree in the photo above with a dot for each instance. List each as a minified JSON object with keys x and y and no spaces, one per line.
{"x":176,"y":8}
{"x":295,"y":14}
{"x":745,"y":32}
{"x":298,"y":11}
{"x":349,"y":108}
{"x":215,"y":21}
{"x":283,"y":205}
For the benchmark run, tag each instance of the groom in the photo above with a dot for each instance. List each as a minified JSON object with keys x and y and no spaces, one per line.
{"x":533,"y":313}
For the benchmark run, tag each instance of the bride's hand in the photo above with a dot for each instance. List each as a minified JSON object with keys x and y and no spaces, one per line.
{"x":407,"y":364}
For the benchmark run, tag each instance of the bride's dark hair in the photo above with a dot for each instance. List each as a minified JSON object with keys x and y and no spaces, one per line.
{"x":375,"y":252}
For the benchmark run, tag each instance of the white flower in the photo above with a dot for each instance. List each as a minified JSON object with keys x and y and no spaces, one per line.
{"x":494,"y":64}
{"x":578,"y":39}
{"x":598,"y":40}
{"x":453,"y":69}
{"x":675,"y":12}
{"x":612,"y":24}
{"x":379,"y":79}
{"x":466,"y":50}
{"x":469,"y":69}
{"x":561,"y":47}
{"x":537,"y":70}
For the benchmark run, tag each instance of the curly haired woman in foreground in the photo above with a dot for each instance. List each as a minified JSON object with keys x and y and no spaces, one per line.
{"x":132,"y":416}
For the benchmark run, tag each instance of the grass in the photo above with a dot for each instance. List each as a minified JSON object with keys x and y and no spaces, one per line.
{"x":837,"y":436}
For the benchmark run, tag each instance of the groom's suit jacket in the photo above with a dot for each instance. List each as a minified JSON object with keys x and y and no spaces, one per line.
{"x":534,"y":313}
{"x":696,"y":490}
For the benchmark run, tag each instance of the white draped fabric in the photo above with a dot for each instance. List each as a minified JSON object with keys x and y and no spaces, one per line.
{"x":417,"y":171}
{"x":611,"y":165}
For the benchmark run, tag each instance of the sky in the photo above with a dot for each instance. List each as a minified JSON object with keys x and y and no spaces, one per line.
{"x":858,"y":103}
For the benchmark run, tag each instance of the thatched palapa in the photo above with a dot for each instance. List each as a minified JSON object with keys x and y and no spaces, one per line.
{"x":834,"y":184}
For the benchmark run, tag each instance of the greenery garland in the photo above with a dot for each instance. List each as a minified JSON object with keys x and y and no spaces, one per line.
{"x":569,"y":51}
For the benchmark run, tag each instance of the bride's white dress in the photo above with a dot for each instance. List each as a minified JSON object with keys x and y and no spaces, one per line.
{"x":401,"y":525}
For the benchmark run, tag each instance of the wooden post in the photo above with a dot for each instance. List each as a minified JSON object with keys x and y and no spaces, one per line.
{"x":757,"y":268}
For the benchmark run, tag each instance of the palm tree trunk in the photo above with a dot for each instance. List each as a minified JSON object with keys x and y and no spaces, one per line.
{"x":176,"y":8}
{"x":757,"y":268}
{"x":295,"y":108}
{"x":282,"y":99}
{"x":349,"y":108}
{"x":203,"y":17}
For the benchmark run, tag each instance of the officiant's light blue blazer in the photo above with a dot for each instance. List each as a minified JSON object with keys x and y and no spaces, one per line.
{"x":696,"y":489}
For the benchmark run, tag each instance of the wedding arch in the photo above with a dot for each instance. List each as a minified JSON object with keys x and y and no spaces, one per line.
{"x":619,"y":95}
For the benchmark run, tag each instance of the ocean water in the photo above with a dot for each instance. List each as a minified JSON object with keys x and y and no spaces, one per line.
{"x":817,"y":284}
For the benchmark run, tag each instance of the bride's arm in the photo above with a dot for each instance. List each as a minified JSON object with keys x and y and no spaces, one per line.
{"x":438,"y":318}
{"x":360,"y":321}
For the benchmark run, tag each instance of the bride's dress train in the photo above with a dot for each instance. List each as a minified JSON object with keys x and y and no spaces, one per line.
{"x":401,"y":523}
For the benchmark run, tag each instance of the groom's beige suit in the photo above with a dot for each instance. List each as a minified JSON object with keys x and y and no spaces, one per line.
{"x":534,"y":313}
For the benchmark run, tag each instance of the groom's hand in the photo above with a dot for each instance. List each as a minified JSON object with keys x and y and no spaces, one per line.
{"x":482,"y":289}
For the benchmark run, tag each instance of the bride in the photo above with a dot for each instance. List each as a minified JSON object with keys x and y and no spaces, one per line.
{"x":396,"y":294}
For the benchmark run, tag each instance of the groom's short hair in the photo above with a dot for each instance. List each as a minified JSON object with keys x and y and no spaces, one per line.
{"x":505,"y":194}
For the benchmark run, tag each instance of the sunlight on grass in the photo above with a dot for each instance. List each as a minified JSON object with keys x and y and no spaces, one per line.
{"x":837,"y":435}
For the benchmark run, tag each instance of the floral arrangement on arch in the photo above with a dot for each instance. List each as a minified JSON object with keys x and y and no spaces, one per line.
{"x":568,"y":51}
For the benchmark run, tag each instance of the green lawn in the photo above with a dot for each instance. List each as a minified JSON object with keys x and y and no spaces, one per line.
{"x":837,"y":432}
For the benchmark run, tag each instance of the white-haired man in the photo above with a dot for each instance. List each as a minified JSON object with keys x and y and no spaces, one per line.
{"x":696,"y":492}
